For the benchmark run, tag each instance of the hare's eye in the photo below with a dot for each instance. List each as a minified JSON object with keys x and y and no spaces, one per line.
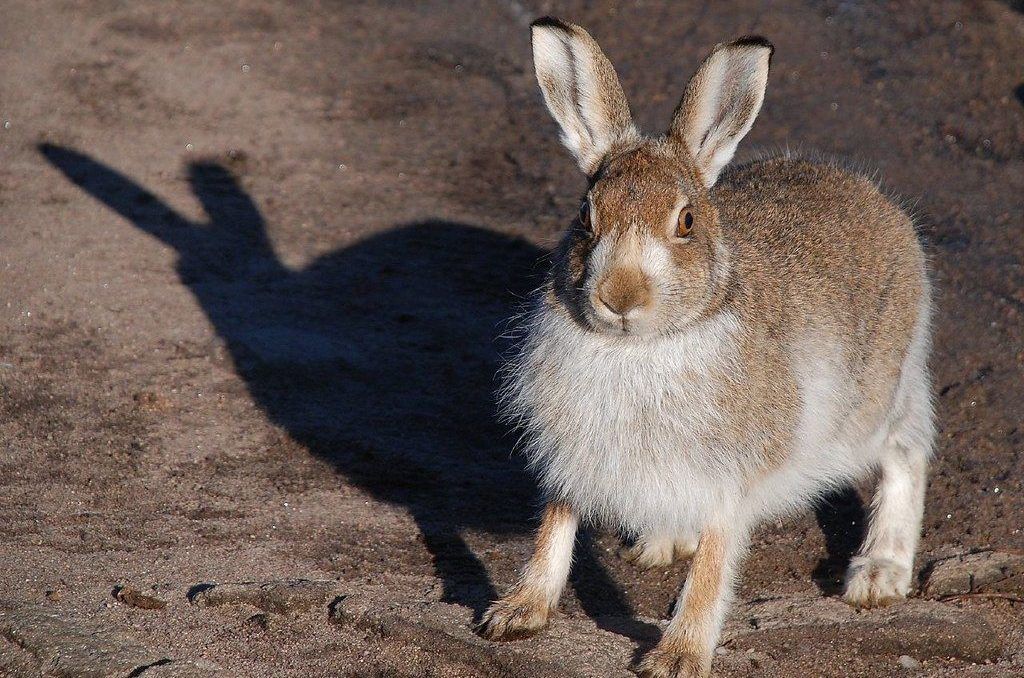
{"x":685,"y":225}
{"x":584,"y":215}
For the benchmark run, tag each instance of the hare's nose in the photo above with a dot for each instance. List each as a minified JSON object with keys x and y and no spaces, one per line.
{"x":623,"y":293}
{"x":617,"y":305}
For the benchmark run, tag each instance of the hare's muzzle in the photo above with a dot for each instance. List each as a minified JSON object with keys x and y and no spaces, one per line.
{"x":623,"y":295}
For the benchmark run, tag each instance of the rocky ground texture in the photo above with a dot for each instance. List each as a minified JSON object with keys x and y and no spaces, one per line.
{"x":256,"y":260}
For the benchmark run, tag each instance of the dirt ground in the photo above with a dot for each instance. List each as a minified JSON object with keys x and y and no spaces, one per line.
{"x":256,"y":260}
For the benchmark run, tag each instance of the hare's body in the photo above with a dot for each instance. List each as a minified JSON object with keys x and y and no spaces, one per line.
{"x":708,"y":353}
{"x":792,"y":386}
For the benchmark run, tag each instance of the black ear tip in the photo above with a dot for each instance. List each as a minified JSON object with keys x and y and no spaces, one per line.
{"x":755,"y":41}
{"x":551,"y":22}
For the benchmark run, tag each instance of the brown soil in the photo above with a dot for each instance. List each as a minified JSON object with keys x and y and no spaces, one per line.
{"x":255,"y":263}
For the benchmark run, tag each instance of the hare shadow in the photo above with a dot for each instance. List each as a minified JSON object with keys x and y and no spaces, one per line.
{"x":379,"y":357}
{"x":842,"y":519}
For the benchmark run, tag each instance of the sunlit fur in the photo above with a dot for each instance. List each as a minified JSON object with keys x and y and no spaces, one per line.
{"x":777,"y":352}
{"x":779,"y":394}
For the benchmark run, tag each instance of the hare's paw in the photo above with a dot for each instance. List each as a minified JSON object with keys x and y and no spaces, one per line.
{"x":518,"y":615}
{"x":684,"y":547}
{"x":875,"y":582}
{"x":650,"y":553}
{"x":666,"y":663}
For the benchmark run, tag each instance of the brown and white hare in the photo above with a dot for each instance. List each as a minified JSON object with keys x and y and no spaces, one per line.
{"x":714,"y":349}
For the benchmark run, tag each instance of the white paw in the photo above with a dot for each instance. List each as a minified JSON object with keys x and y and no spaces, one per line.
{"x":685,"y":546}
{"x":651,"y":553}
{"x":874,"y":582}
{"x":518,"y":615}
{"x":670,"y":663}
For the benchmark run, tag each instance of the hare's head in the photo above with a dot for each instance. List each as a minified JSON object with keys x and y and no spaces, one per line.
{"x":645,"y":255}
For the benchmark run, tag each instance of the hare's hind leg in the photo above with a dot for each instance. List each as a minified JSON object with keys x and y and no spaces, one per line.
{"x":651,"y":552}
{"x":524,"y":610}
{"x":881,"y":571}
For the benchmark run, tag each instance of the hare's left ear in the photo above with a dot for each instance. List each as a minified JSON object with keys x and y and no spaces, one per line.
{"x":581,"y":90}
{"x":721,"y":102}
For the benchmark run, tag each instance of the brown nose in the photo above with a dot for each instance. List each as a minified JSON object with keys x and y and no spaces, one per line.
{"x":624,"y":290}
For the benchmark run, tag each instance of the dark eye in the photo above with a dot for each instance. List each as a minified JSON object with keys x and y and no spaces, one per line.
{"x":685,"y":225}
{"x":584,"y":215}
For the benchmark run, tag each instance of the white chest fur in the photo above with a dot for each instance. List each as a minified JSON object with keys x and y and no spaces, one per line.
{"x":626,"y":429}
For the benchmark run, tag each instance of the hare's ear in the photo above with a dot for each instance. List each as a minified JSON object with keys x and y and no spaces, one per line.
{"x":721,"y":102}
{"x":581,"y":90}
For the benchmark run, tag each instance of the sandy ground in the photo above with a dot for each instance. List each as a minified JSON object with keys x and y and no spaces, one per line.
{"x":255,"y":263}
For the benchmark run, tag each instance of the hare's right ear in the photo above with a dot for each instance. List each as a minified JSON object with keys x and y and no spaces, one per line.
{"x":721,"y":102}
{"x":581,"y":90}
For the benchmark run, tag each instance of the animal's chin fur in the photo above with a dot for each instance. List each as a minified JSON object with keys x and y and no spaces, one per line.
{"x":629,"y":330}
{"x":651,"y":326}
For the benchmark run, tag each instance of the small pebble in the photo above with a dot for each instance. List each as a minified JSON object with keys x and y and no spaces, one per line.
{"x":259,"y":620}
{"x":908,"y":662}
{"x":134,"y":598}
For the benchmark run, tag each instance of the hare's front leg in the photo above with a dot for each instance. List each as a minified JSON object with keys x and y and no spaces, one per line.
{"x":686,"y":648}
{"x":524,"y":610}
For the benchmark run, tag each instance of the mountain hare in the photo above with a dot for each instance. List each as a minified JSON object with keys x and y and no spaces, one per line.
{"x":714,"y":349}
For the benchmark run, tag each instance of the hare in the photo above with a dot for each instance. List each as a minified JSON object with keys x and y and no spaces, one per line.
{"x":712,"y":349}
